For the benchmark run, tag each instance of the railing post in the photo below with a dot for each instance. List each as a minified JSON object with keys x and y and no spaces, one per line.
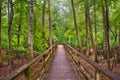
{"x":97,"y":75}
{"x":44,"y":62}
{"x":51,"y":51}
{"x":27,"y":74}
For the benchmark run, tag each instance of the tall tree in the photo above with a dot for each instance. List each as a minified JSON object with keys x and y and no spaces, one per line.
{"x":87,"y":27}
{"x":43,"y":23}
{"x":76,"y":27}
{"x":88,"y":24}
{"x":95,"y":21}
{"x":104,"y":23}
{"x":0,"y":30}
{"x":34,"y":21}
{"x":10,"y":20}
{"x":105,"y":12}
{"x":30,"y":30}
{"x":20,"y":24}
{"x":107,"y":32}
{"x":50,"y":25}
{"x":95,"y":26}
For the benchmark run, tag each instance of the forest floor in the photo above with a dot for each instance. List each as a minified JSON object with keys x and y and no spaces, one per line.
{"x":6,"y":69}
{"x":116,"y":68}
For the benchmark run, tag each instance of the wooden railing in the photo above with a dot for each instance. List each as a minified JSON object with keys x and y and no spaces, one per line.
{"x":86,"y":69}
{"x":35,"y":69}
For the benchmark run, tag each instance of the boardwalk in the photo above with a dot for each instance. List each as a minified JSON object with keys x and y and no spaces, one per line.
{"x":61,"y":68}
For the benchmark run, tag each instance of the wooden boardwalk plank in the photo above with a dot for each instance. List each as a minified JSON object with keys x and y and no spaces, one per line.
{"x":60,"y":68}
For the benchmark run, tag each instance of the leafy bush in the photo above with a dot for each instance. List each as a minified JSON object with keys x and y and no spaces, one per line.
{"x":6,"y":58}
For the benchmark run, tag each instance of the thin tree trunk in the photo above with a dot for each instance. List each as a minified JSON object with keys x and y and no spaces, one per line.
{"x":50,"y":25}
{"x":19,"y":27}
{"x":43,"y":24}
{"x":88,"y":23}
{"x":10,"y":20}
{"x":34,"y":21}
{"x":30,"y":30}
{"x":0,"y":31}
{"x":107,"y":33}
{"x":76,"y":27}
{"x":19,"y":30}
{"x":95,"y":24}
{"x":105,"y":12}
{"x":87,"y":28}
{"x":104,"y":32}
{"x":95,"y":27}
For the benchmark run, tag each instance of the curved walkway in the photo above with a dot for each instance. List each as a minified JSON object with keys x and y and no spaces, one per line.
{"x":60,"y":68}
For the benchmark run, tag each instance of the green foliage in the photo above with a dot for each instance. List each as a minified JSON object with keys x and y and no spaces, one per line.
{"x":6,"y":58}
{"x":62,"y":23}
{"x":4,"y":42}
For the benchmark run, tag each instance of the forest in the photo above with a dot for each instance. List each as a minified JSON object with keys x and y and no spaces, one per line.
{"x":29,"y":27}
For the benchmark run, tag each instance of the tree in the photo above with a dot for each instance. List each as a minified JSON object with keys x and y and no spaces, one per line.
{"x":105,"y":12}
{"x":76,"y":27}
{"x":95,"y":21}
{"x":43,"y":24}
{"x":0,"y":31}
{"x":10,"y":20}
{"x":88,"y":24}
{"x":87,"y":27}
{"x":20,"y":24}
{"x":50,"y":24}
{"x":30,"y":31}
{"x":95,"y":29}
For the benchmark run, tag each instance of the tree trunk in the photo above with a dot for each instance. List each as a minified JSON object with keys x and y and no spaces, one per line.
{"x":19,"y":26}
{"x":19,"y":30}
{"x":76,"y":27}
{"x":95,"y":24}
{"x":43,"y":24}
{"x":104,"y":32}
{"x":0,"y":31}
{"x":10,"y":20}
{"x":107,"y":33}
{"x":34,"y":22}
{"x":50,"y":25}
{"x":30,"y":30}
{"x":87,"y":28}
{"x":95,"y":29}
{"x":105,"y":12}
{"x":88,"y":23}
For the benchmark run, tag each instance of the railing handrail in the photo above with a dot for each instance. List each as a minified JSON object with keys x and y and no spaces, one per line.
{"x":25,"y":66}
{"x":94,"y":64}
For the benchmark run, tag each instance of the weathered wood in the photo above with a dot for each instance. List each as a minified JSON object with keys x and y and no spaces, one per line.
{"x":105,"y":72}
{"x":60,"y":68}
{"x":27,"y":74}
{"x":28,"y":69}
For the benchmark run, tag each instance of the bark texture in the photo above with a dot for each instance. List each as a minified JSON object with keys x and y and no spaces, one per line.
{"x":76,"y":27}
{"x":30,"y":29}
{"x":50,"y":24}
{"x":43,"y":24}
